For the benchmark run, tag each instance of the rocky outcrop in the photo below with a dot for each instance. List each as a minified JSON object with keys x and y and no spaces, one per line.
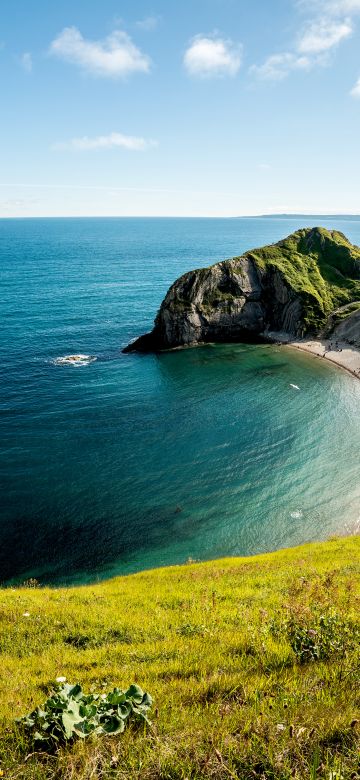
{"x":348,"y":328}
{"x":290,"y":286}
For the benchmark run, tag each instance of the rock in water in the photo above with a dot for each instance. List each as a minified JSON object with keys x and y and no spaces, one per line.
{"x":293,"y":286}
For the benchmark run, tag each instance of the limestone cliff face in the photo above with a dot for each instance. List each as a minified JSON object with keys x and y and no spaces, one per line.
{"x":282,"y":287}
{"x":231,"y":301}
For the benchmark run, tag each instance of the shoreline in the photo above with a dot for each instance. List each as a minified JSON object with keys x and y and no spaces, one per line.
{"x":342,"y":355}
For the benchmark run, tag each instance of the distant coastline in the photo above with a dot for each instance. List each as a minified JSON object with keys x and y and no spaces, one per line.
{"x":300,"y":216}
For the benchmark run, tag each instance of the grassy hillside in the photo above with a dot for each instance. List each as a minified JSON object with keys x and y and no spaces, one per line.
{"x":321,"y":265}
{"x":253,"y":665}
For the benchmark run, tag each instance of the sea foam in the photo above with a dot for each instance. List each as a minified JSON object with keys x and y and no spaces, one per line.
{"x":74,"y":360}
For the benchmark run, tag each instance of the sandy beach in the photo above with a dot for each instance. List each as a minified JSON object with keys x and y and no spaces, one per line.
{"x":338,"y":352}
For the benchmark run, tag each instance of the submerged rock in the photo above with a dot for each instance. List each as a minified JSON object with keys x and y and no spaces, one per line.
{"x":293,"y":286}
{"x":74,"y":360}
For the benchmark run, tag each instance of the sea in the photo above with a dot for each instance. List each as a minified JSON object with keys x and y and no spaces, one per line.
{"x":116,"y":463}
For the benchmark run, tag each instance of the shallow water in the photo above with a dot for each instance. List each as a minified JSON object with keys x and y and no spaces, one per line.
{"x":114,"y":463}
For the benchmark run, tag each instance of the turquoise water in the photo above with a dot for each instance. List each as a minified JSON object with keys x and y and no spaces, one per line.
{"x":134,"y":461}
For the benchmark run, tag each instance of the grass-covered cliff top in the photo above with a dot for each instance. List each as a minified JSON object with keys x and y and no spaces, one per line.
{"x":253,"y":664}
{"x":321,"y":265}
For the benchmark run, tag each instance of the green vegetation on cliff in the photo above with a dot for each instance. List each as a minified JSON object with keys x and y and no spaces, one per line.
{"x":321,"y":265}
{"x":253,"y":665}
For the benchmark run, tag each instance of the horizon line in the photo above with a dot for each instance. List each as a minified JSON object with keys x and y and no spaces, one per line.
{"x":271,"y":215}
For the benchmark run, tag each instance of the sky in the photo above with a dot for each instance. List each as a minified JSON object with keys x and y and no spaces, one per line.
{"x":168,"y":108}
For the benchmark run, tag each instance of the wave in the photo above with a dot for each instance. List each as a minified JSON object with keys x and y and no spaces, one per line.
{"x":74,"y":360}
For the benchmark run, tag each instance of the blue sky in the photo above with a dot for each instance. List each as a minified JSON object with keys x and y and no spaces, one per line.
{"x":198,"y":108}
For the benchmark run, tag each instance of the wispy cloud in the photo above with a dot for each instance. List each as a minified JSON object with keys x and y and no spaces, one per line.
{"x":149,"y":23}
{"x":330,"y":7}
{"x":326,"y":28}
{"x":111,"y":141}
{"x":14,"y":203}
{"x":278,"y":66}
{"x":26,"y":61}
{"x":355,"y":92}
{"x":114,"y":56}
{"x":323,"y":34}
{"x":346,"y":6}
{"x":212,"y":56}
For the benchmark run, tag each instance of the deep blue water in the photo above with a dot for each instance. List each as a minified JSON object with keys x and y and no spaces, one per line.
{"x":134,"y":461}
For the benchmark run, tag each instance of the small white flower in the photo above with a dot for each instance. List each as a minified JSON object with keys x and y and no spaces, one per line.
{"x":26,"y":614}
{"x":61,"y":679}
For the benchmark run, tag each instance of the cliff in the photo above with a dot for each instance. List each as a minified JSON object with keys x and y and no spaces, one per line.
{"x":301,"y":285}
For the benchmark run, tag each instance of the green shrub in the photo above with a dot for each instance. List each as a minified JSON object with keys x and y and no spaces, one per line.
{"x":319,"y":636}
{"x":69,"y":713}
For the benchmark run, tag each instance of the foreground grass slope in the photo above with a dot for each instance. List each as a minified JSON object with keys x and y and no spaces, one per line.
{"x":253,"y":664}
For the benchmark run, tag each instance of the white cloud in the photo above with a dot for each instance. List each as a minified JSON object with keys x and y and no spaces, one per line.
{"x":149,"y":23}
{"x":323,"y":34}
{"x":26,"y":61}
{"x":333,"y":24}
{"x":278,"y":66}
{"x":114,"y":56}
{"x":111,"y":141}
{"x":212,"y":56}
{"x":355,"y":92}
{"x":342,"y":6}
{"x":329,"y":8}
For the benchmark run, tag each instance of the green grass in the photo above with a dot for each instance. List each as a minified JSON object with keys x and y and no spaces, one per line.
{"x":253,"y":665}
